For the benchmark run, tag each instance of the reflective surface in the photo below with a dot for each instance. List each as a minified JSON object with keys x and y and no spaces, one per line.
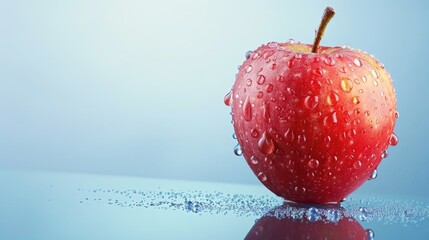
{"x":42,"y":205}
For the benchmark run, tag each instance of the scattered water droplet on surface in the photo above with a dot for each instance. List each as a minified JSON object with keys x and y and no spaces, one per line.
{"x":234,"y":136}
{"x":266,"y":144}
{"x":290,"y":41}
{"x":313,"y":214}
{"x":290,"y":63}
{"x":289,"y":135}
{"x":247,"y":109}
{"x":396,"y":114}
{"x":345,"y":46}
{"x":254,"y":160}
{"x":370,"y":234}
{"x":237,"y":150}
{"x":346,"y":85}
{"x":249,"y":82}
{"x":385,"y":153}
{"x":269,"y":88}
{"x":394,"y":140}
{"x":260,"y":94}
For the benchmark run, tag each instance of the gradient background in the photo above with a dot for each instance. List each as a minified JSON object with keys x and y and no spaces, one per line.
{"x":136,"y":87}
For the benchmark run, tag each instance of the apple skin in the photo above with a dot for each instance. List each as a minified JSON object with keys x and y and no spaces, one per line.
{"x":312,"y":126}
{"x":301,"y":228}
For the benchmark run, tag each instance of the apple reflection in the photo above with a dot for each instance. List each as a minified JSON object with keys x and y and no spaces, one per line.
{"x":296,"y":222}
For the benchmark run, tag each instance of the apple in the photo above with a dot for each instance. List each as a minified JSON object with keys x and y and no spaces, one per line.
{"x":300,"y":222}
{"x":313,"y":122}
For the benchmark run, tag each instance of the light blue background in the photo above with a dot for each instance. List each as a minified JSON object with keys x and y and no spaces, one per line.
{"x":136,"y":87}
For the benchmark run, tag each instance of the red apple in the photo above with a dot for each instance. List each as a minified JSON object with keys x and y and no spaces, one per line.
{"x":313,"y":122}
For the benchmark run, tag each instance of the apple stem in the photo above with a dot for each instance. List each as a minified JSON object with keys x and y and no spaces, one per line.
{"x":328,"y":14}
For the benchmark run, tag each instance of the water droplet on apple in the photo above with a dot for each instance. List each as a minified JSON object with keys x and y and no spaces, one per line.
{"x":254,"y":160}
{"x":311,"y":102}
{"x":394,"y":140}
{"x":330,"y":118}
{"x":343,"y":69}
{"x":268,"y":54}
{"x":262,"y":177}
{"x":234,"y":136}
{"x":237,"y":150}
{"x":346,"y":85}
{"x":247,"y":109}
{"x":313,"y":163}
{"x":356,"y":80}
{"x":290,"y":41}
{"x":256,"y":55}
{"x":356,"y":122}
{"x":357,"y":165}
{"x":254,"y":133}
{"x":345,"y":46}
{"x":356,"y":100}
{"x":266,"y":144}
{"x":290,"y":63}
{"x":260,"y":94}
{"x":300,"y":190}
{"x":328,"y":60}
{"x":385,"y":153}
{"x":249,"y":82}
{"x":396,"y":114}
{"x":280,"y":78}
{"x":298,"y":56}
{"x":267,"y":114}
{"x":357,"y":62}
{"x":370,"y":234}
{"x":227,"y":99}
{"x":289,"y":135}
{"x":261,"y":79}
{"x":375,"y":83}
{"x":248,"y":68}
{"x":269,"y":88}
{"x":248,"y":53}
{"x":374,"y":73}
{"x":373,"y":175}
{"x":332,"y":98}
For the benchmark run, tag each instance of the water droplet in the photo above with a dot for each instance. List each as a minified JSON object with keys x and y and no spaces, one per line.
{"x":329,"y":61}
{"x":237,"y":150}
{"x":273,"y":66}
{"x":332,"y":98}
{"x":313,"y":163}
{"x":266,"y":144}
{"x":260,"y":94}
{"x":346,"y":85}
{"x":313,"y":214}
{"x":370,"y":234}
{"x":374,"y":73}
{"x":254,"y":133}
{"x":234,"y":136}
{"x":318,"y":72}
{"x":249,"y":82}
{"x":248,"y":53}
{"x":262,"y":177}
{"x":290,"y":41}
{"x":311,"y":102}
{"x":269,"y":88}
{"x":345,"y":46}
{"x":261,"y":79}
{"x":394,"y":140}
{"x":357,"y":165}
{"x":291,"y":91}
{"x":375,"y":83}
{"x":248,"y":68}
{"x":385,"y":153}
{"x":373,"y":175}
{"x":333,"y":215}
{"x":330,"y":118}
{"x":357,"y":62}
{"x":227,"y":99}
{"x":300,"y":190}
{"x":256,"y":55}
{"x":289,"y":135}
{"x":396,"y":114}
{"x":290,"y":63}
{"x":254,"y":160}
{"x":343,"y":69}
{"x":247,"y":109}
{"x":267,"y":114}
{"x":280,"y":78}
{"x":356,"y":80}
{"x":268,"y":54}
{"x":356,"y":100}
